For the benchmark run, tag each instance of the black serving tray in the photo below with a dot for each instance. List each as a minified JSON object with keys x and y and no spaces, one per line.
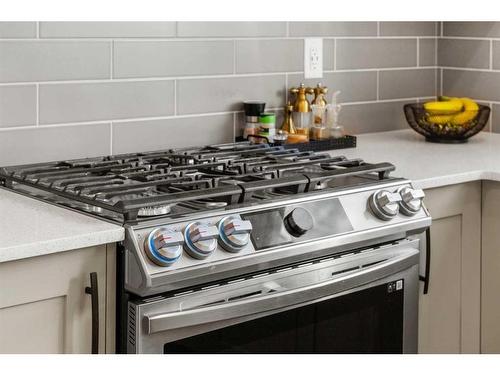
{"x":347,"y":141}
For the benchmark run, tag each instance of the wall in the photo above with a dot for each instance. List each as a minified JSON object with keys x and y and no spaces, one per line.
{"x":469,"y":57}
{"x":80,"y":89}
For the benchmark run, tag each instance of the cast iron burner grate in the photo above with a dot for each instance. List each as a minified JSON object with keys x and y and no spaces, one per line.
{"x":135,"y":187}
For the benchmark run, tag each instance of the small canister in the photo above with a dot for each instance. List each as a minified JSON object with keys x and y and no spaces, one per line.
{"x":267,"y":122}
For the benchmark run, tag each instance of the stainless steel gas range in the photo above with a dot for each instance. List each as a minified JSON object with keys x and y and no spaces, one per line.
{"x":251,"y":249}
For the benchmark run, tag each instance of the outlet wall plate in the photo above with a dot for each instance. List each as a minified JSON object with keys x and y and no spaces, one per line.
{"x":313,"y":58}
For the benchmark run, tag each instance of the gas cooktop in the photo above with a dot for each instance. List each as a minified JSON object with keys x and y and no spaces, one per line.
{"x":131,"y":188}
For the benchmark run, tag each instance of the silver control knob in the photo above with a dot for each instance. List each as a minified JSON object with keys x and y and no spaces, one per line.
{"x":164,"y":246}
{"x":384,"y":204}
{"x":201,"y":239}
{"x":411,"y":200}
{"x":234,"y":233}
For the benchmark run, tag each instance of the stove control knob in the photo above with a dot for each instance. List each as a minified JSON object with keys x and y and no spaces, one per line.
{"x":384,"y":204}
{"x":201,"y":239}
{"x":234,"y":233}
{"x":164,"y":246}
{"x":298,"y":222}
{"x":411,"y":200}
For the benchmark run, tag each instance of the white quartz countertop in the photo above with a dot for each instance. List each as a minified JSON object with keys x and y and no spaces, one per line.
{"x":29,"y":227}
{"x":428,"y":164}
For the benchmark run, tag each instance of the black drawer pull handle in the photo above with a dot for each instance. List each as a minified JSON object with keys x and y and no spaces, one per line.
{"x":427,"y":277}
{"x":93,"y":291}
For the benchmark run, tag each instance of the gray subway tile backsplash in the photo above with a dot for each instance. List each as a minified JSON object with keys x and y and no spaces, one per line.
{"x":479,"y":85}
{"x":332,"y":29}
{"x":472,"y":29}
{"x":427,"y":52}
{"x":231,"y":29}
{"x":496,"y":55}
{"x":464,"y":53}
{"x":107,"y":29}
{"x":261,"y":56}
{"x":227,"y":94}
{"x":375,"y":53}
{"x":17,"y":105}
{"x":373,"y":117}
{"x":81,"y":102}
{"x":148,"y":78}
{"x":408,"y":28}
{"x":17,"y":30}
{"x":33,"y":145}
{"x":22,"y":61}
{"x":166,"y":59}
{"x":408,"y":83}
{"x":168,"y":133}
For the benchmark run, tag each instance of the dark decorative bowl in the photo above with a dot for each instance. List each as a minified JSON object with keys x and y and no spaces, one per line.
{"x":421,"y":122}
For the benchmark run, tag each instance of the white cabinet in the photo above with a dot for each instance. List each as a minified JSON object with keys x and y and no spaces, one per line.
{"x":44,"y":307}
{"x":490,"y":269}
{"x":449,"y":315}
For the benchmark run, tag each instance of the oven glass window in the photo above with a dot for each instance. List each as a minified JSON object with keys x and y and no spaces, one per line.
{"x":368,"y":321}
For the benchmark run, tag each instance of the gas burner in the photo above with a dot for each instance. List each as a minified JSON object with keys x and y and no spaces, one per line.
{"x":136,"y":187}
{"x":155,"y":210}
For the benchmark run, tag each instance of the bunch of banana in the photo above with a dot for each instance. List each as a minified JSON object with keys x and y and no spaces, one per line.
{"x":451,"y":111}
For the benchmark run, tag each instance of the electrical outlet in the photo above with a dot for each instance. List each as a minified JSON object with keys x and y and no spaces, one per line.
{"x":313,"y":58}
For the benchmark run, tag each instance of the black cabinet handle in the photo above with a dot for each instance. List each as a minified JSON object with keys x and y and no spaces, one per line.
{"x":427,"y":277}
{"x":94,"y":294}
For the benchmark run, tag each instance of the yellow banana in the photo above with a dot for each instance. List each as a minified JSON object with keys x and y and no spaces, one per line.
{"x":440,"y":119}
{"x":448,"y":107}
{"x":468,"y":114}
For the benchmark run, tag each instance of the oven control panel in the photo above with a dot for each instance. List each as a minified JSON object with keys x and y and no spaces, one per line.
{"x":202,"y":249}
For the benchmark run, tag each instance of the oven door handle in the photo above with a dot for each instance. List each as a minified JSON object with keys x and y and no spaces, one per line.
{"x":155,"y":323}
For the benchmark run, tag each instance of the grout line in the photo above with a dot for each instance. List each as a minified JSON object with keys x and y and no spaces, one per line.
{"x":469,"y":69}
{"x":491,"y":54}
{"x":112,"y":59}
{"x":37,"y":104}
{"x":200,"y":77}
{"x":111,"y":138}
{"x":418,"y":52}
{"x":378,"y":85}
{"x":287,"y":33}
{"x":38,"y":30}
{"x":215,"y":39}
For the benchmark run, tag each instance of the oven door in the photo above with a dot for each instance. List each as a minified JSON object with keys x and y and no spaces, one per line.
{"x":362,"y":302}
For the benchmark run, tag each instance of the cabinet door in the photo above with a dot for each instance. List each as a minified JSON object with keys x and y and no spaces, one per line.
{"x":490,"y":272}
{"x":43,"y":305}
{"x":449,"y":315}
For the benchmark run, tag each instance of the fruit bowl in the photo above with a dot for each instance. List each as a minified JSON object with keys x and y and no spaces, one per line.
{"x":446,"y":128}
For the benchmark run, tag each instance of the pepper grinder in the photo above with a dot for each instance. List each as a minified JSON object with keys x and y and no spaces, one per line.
{"x":301,"y":103}
{"x":288,"y":125}
{"x":302,"y":110}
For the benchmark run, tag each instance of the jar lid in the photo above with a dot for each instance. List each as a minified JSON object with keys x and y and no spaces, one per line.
{"x":267,"y":118}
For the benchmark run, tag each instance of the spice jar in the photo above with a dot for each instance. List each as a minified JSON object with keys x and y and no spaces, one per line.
{"x":267,"y":122}
{"x":253,"y":109}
